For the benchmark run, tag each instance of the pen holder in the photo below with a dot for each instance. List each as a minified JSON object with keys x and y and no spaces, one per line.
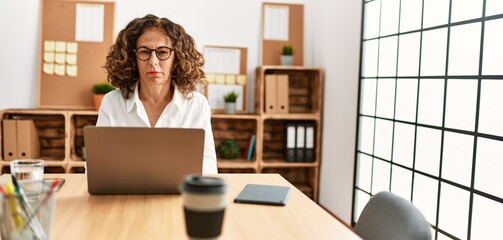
{"x":26,"y":216}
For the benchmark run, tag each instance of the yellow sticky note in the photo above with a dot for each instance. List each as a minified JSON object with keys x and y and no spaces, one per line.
{"x":60,"y":58}
{"x":60,"y":46}
{"x":210,"y":78}
{"x":220,"y":79}
{"x":49,"y":57}
{"x":71,"y":47}
{"x":71,"y":59}
{"x":59,"y":69}
{"x":71,"y":70}
{"x":230,"y":79}
{"x":241,"y":79}
{"x":49,"y":46}
{"x":48,"y":68}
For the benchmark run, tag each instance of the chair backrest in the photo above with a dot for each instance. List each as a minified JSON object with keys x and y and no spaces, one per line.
{"x":389,"y":216}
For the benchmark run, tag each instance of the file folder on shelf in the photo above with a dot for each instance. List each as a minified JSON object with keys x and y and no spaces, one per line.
{"x":290,"y":142}
{"x":20,"y":139}
{"x":9,"y":139}
{"x":28,"y":145}
{"x":300,"y":143}
{"x":282,"y":93}
{"x":270,"y":94}
{"x":309,"y":143}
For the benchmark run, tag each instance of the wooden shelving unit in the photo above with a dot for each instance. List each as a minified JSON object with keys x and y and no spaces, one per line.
{"x":305,"y":94}
{"x":305,"y":104}
{"x":58,"y":132}
{"x":61,"y":132}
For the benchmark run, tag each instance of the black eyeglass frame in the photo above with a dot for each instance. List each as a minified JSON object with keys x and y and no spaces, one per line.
{"x":171,"y":50}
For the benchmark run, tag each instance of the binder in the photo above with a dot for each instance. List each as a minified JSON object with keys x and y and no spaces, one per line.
{"x":9,"y":139}
{"x":28,"y":145}
{"x":300,"y":143}
{"x":20,"y":139}
{"x":290,"y":142}
{"x":282,"y":93}
{"x":270,"y":94}
{"x":309,"y":142}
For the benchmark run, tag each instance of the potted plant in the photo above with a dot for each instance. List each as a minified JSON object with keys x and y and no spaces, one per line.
{"x":230,"y":102}
{"x":287,"y":55}
{"x":228,"y":149}
{"x":99,"y":90}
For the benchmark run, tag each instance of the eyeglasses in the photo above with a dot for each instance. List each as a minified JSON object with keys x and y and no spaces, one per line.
{"x":162,"y":53}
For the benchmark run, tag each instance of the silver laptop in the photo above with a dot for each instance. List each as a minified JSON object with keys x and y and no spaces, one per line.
{"x":133,"y":160}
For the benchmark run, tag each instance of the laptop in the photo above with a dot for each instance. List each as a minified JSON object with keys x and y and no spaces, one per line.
{"x":135,"y":160}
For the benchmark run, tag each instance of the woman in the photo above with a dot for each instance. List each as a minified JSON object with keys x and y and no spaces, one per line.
{"x":156,"y":68}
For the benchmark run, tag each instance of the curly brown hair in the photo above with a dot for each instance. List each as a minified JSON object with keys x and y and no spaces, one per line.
{"x":122,"y":67}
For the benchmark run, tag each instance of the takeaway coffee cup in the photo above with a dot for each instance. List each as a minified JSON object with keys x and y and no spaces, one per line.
{"x":204,"y":201}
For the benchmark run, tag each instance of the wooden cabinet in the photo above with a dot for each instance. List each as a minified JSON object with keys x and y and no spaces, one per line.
{"x":305,"y":94}
{"x":60,"y":135}
{"x":61,"y":131}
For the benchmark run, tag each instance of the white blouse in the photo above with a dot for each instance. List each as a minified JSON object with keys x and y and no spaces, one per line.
{"x":180,"y":112}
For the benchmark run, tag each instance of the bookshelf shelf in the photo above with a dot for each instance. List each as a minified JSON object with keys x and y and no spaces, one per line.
{"x":237,"y":163}
{"x":297,"y":116}
{"x":235,"y":116}
{"x":283,"y":163}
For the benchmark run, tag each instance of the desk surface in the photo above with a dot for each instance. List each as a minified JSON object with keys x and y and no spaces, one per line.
{"x":79,"y":215}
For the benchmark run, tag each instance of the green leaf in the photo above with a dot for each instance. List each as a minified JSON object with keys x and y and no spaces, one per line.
{"x":231,"y":97}
{"x":228,"y":149}
{"x":287,"y":50}
{"x":102,"y":88}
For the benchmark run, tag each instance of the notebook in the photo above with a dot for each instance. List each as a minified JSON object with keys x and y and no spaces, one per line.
{"x":264,"y":194}
{"x":134,"y":160}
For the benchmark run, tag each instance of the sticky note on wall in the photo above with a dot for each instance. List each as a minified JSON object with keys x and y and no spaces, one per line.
{"x":241,"y":79}
{"x":49,"y":46}
{"x":71,"y":70}
{"x":48,"y":68}
{"x":220,"y":79}
{"x":230,"y":79}
{"x":60,"y":47}
{"x":59,"y":69}
{"x":210,"y":78}
{"x":71,"y":59}
{"x":49,"y":57}
{"x":60,"y":58}
{"x":72,"y":47}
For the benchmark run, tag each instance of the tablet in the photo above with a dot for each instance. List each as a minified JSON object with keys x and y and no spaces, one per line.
{"x":264,"y":194}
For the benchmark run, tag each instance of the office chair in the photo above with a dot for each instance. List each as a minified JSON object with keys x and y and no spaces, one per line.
{"x":389,"y":216}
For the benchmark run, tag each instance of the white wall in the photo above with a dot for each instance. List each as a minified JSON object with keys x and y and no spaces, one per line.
{"x":18,"y":53}
{"x":336,"y":48}
{"x":331,"y":41}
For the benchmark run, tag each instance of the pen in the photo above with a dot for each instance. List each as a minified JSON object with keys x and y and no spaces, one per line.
{"x":18,"y":220}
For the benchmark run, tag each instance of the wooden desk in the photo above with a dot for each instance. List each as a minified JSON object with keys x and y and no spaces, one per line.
{"x":79,"y":215}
